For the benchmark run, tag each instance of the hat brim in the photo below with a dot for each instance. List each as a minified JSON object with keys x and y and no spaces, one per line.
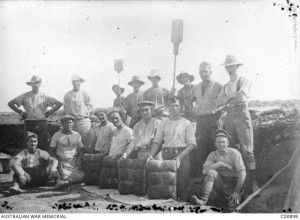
{"x":151,"y":77}
{"x":231,"y":64}
{"x":178,"y":78}
{"x":66,"y":119}
{"x":33,"y":82}
{"x":81,"y":80}
{"x":139,"y":81}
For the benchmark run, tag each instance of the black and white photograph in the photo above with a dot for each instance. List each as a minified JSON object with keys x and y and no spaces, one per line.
{"x":157,"y":107}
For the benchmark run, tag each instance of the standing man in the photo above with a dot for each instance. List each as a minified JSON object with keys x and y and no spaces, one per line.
{"x":119,"y":101}
{"x":205,"y":95}
{"x":238,"y":120}
{"x":185,"y":94}
{"x":35,"y":104}
{"x":77,"y":103}
{"x":157,"y":94}
{"x":122,"y":135}
{"x":144,"y":132}
{"x":178,"y":136}
{"x":133,"y":99}
{"x":66,"y":147}
{"x":103,"y":133}
{"x":224,"y":174}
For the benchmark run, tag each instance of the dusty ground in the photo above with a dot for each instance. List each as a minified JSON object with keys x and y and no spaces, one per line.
{"x":273,"y":123}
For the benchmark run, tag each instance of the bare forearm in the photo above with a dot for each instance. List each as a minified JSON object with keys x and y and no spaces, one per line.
{"x":54,"y":163}
{"x":240,"y":181}
{"x":55,"y":108}
{"x":14,"y":107}
{"x":16,"y":167}
{"x":154,"y":149}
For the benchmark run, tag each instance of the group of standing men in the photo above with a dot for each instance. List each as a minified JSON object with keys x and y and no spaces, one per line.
{"x":172,"y":138}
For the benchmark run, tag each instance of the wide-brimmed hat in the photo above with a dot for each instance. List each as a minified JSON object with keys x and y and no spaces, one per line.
{"x":231,"y":60}
{"x":77,"y":78}
{"x":66,"y":117}
{"x":221,"y":133}
{"x":155,"y":73}
{"x":184,"y":73}
{"x":145,"y":104}
{"x":34,"y":79}
{"x":116,"y":87}
{"x":136,"y":79}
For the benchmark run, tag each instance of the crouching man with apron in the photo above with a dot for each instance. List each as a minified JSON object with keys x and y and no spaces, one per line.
{"x":178,"y":136}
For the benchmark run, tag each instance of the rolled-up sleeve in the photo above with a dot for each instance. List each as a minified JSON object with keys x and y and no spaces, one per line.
{"x":245,"y":86}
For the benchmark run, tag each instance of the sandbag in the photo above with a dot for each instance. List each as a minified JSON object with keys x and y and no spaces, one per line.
{"x":168,"y":178}
{"x":113,"y":183}
{"x":154,"y":192}
{"x":124,"y":163}
{"x":168,"y":192}
{"x":114,"y":162}
{"x":138,"y":164}
{"x":139,"y":189}
{"x":114,"y":173}
{"x":91,"y":178}
{"x":169,"y":166}
{"x":105,"y":172}
{"x":92,"y":168}
{"x":154,"y":178}
{"x":107,"y":161}
{"x":154,"y":165}
{"x":92,"y":158}
{"x":139,"y":176}
{"x":104,"y":183}
{"x":125,"y":187}
{"x":125,"y":174}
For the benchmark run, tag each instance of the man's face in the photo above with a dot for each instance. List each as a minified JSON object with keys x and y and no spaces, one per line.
{"x":102,"y":116}
{"x":36,"y":86}
{"x":185,"y":79}
{"x":164,"y":115}
{"x":67,"y":125}
{"x":117,"y":91}
{"x":231,"y":69}
{"x":116,"y":119}
{"x":32,"y":143}
{"x":76,"y":85}
{"x":221,"y":143}
{"x":175,"y":108}
{"x":136,"y":86}
{"x":154,"y":80}
{"x":205,"y":73}
{"x":146,"y":113}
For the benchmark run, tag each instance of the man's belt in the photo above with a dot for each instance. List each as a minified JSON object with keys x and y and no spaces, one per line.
{"x":173,"y":150}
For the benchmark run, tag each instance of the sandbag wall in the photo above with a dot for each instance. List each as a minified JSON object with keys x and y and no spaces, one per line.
{"x":133,"y":177}
{"x":109,"y":175}
{"x":161,"y":180}
{"x":92,"y":165}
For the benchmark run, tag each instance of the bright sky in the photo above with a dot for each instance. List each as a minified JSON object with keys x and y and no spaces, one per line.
{"x":58,"y":39}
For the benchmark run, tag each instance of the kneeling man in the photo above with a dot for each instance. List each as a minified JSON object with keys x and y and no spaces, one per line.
{"x":33,"y":167}
{"x":224,"y":173}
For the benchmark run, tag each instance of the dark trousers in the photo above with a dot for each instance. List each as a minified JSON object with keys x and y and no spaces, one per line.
{"x":206,"y":126}
{"x":183,"y":173}
{"x":40,"y":128}
{"x":35,"y":176}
